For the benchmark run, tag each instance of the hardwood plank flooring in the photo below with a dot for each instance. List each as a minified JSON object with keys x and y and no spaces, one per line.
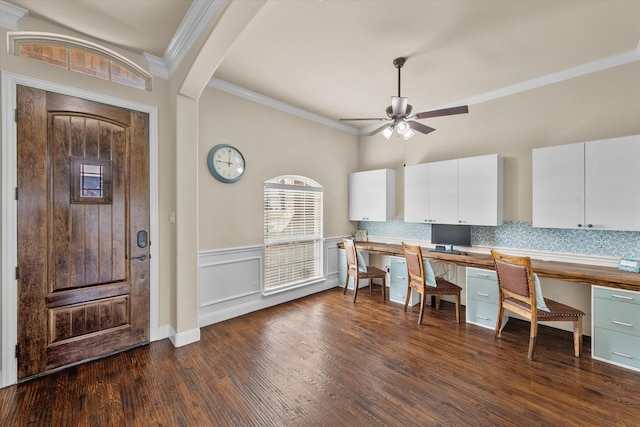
{"x":324,"y":361}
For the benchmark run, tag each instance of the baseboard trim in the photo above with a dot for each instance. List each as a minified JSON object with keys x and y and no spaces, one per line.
{"x":265,"y":302}
{"x":180,"y":339}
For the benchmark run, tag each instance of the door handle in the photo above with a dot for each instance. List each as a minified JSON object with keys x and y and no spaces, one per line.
{"x":141,"y":257}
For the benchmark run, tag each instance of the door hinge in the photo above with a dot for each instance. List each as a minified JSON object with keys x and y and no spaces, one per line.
{"x":17,"y":350}
{"x":16,"y":115}
{"x":17,"y":275}
{"x":16,"y":193}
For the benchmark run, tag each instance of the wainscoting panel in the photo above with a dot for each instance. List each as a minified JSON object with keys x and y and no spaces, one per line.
{"x":230,"y":282}
{"x":229,"y":279}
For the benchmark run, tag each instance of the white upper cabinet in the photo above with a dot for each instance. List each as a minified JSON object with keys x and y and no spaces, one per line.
{"x":416,"y":193}
{"x":558,"y":186}
{"x":590,"y":185}
{"x":459,"y":191}
{"x":480,"y":190}
{"x":443,"y":192}
{"x":372,"y":195}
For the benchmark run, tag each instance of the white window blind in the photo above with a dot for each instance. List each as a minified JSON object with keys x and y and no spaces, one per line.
{"x":292,"y":232}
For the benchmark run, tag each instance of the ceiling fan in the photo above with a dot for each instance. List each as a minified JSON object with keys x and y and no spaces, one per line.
{"x":399,"y":114}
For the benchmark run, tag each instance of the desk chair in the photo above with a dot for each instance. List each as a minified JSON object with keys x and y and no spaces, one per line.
{"x":519,"y":292}
{"x":423,"y":281}
{"x":357,"y":268}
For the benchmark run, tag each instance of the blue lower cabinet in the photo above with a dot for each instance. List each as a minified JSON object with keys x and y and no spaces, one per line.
{"x":482,"y":298}
{"x":616,"y":327}
{"x":398,"y":282}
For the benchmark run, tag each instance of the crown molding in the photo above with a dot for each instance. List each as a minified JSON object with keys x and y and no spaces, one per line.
{"x":11,"y":15}
{"x":157,"y":66}
{"x":278,"y":105}
{"x":548,"y":79}
{"x":199,"y":15}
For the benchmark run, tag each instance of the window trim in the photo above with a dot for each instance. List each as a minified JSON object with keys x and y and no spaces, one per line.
{"x":17,"y":38}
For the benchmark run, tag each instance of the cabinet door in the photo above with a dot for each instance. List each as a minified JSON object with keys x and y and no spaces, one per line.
{"x":612,"y":184}
{"x":416,"y":193}
{"x":558,"y":186}
{"x":376,"y":190}
{"x":480,"y":190}
{"x":443,"y":192}
{"x":357,"y":196}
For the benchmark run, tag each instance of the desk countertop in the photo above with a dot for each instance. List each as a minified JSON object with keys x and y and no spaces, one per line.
{"x":566,"y":271}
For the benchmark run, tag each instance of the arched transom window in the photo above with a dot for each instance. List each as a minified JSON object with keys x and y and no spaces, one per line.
{"x":79,"y":56}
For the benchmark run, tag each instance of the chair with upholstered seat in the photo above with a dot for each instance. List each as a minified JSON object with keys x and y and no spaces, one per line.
{"x":422,"y":279}
{"x":357,"y":268}
{"x":519,"y":292}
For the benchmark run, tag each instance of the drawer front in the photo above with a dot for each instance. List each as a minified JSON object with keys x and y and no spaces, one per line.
{"x":617,"y":347}
{"x":617,"y":316}
{"x":479,"y":274}
{"x":482,"y":313}
{"x":482,"y":290}
{"x":628,"y":297}
{"x":398,"y":291}
{"x":398,"y":271}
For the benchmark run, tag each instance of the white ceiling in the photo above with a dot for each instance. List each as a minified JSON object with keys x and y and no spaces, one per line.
{"x":334,"y":58}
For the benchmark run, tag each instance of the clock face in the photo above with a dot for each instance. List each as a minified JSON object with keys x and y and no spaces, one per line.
{"x":226,"y":163}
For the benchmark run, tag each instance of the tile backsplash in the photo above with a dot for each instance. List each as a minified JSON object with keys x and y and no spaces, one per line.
{"x":522,"y":235}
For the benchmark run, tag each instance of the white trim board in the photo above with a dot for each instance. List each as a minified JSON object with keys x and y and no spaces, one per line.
{"x":9,"y":221}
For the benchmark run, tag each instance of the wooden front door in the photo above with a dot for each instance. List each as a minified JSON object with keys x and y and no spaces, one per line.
{"x":83,"y":222}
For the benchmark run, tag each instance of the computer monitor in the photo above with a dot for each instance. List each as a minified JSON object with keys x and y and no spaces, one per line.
{"x":444,"y":234}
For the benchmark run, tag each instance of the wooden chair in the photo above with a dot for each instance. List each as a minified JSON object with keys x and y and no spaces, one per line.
{"x":517,"y":293}
{"x":359,"y":270}
{"x":425,"y":282}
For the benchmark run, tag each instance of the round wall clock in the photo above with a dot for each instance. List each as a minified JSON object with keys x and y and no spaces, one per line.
{"x":226,"y":163}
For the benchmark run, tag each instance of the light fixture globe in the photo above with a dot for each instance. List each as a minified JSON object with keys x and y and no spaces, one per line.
{"x":387,"y":132}
{"x":402,"y":127}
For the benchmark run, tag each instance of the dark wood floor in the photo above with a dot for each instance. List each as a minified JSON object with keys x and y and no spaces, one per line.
{"x":323,"y":361}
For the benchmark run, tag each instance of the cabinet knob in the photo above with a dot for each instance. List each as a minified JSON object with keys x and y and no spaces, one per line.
{"x":579,"y":225}
{"x":589,"y":225}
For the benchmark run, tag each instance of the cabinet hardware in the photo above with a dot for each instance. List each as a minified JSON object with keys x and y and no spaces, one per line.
{"x":141,"y":257}
{"x":621,"y":355}
{"x":483,"y":318}
{"x":481,"y":294}
{"x":482,"y":275}
{"x":621,"y":297}
{"x":616,"y":322}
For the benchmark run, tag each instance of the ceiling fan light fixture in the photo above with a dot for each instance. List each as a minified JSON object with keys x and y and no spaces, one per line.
{"x":408,"y":135}
{"x":387,"y":132}
{"x":402,"y":127}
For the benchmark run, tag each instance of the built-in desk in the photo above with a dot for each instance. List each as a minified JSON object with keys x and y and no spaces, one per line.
{"x":615,"y":316}
{"x":570,"y":272}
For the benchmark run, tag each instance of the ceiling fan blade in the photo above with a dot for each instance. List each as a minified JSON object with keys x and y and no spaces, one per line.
{"x":420,"y":127}
{"x":369,"y":118}
{"x":443,"y":112}
{"x":399,"y":105}
{"x":378,"y":129}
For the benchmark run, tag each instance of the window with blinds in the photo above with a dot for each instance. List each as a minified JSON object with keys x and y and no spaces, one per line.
{"x":292,"y":232}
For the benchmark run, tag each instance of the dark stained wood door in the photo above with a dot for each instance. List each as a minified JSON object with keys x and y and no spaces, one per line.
{"x":83,"y":222}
